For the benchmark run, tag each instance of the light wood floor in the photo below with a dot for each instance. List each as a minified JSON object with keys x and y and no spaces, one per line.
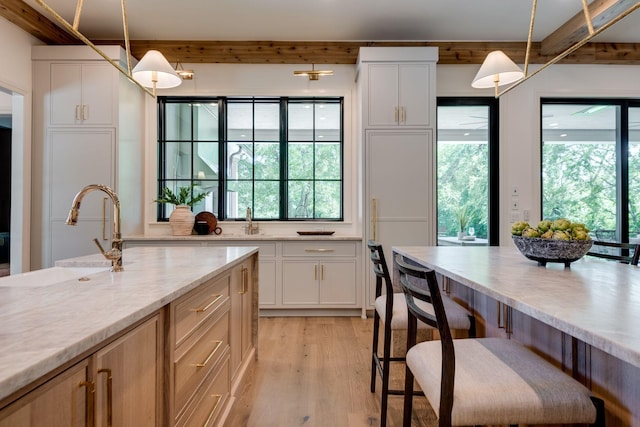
{"x":315,"y":372}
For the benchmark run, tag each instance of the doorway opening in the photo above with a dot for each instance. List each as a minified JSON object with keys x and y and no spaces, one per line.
{"x":5,"y":182}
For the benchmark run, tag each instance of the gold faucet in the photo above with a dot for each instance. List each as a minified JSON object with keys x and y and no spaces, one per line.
{"x":115,"y":254}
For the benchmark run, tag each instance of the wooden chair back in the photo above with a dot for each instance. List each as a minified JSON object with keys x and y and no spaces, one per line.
{"x":622,"y":253}
{"x":432,"y":296}
{"x":381,"y":270}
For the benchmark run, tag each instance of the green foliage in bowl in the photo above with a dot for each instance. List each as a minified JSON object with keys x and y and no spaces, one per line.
{"x":559,"y":229}
{"x":183,"y":197}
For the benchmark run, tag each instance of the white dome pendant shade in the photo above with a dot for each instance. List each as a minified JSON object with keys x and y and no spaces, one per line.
{"x":497,"y":70}
{"x":154,"y":71}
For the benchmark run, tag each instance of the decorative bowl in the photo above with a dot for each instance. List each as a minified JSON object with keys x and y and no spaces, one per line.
{"x":550,"y":250}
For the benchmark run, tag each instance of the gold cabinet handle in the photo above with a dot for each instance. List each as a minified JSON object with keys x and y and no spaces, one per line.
{"x":403,"y":114}
{"x":213,"y":411}
{"x":245,"y":280}
{"x":77,"y":113}
{"x":208,"y":306}
{"x":321,"y":271}
{"x":374,"y":218}
{"x":319,"y":250}
{"x":395,"y":114}
{"x":89,"y":402}
{"x":85,"y":112}
{"x":203,"y":364}
{"x":315,"y":272}
{"x":109,"y":395}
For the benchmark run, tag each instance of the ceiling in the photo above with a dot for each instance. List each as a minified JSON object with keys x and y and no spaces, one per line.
{"x":330,"y":20}
{"x":204,"y":30}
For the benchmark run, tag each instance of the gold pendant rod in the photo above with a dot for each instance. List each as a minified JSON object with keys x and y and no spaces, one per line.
{"x":88,"y":42}
{"x":534,"y":6}
{"x":76,"y":18}
{"x":587,"y":16}
{"x":573,"y":48}
{"x":126,"y":37}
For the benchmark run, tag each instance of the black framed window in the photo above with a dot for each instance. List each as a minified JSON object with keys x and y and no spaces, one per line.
{"x":280,"y":156}
{"x":467,"y":170}
{"x":590,"y":153}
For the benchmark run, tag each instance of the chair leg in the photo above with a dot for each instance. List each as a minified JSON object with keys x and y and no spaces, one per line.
{"x":472,"y":327}
{"x":408,"y":398}
{"x":374,"y":351}
{"x":600,"y":416}
{"x":386,"y":372}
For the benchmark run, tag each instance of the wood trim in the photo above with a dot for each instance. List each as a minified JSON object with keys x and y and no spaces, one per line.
{"x":31,"y":21}
{"x":292,"y":52}
{"x":576,"y":29}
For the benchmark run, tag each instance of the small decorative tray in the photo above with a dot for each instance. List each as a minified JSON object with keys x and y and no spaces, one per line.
{"x":315,"y":233}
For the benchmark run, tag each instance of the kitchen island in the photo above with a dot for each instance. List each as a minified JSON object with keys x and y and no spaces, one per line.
{"x":182,"y":304}
{"x":584,"y":318}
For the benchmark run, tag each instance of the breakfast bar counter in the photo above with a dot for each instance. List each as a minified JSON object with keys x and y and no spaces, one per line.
{"x":595,"y":303}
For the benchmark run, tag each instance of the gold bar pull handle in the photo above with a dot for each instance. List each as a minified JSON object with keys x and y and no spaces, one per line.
{"x":208,"y":306}
{"x":218,"y":398}
{"x":109,"y":395}
{"x":319,"y":250}
{"x":85,"y":112}
{"x":500,"y":319}
{"x":321,"y":271}
{"x":395,"y":114}
{"x":89,"y":403}
{"x":77,"y":113}
{"x":104,"y":218}
{"x":315,"y":272}
{"x":208,"y":359}
{"x":374,"y":218}
{"x":403,"y":114}
{"x":243,"y":289}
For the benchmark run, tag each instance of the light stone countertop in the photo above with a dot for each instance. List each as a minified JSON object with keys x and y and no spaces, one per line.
{"x":596,"y":301}
{"x":45,"y":325}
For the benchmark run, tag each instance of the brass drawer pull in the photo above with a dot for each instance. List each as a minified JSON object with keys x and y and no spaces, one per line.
{"x":215,"y":408}
{"x":203,"y":364}
{"x":208,"y":306}
{"x":109,"y":395}
{"x":89,"y":403}
{"x":319,"y":250}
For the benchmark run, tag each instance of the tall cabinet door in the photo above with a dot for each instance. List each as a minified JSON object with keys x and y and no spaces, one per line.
{"x":399,"y":189}
{"x":78,"y":158}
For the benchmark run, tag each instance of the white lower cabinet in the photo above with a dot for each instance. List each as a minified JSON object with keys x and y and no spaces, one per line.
{"x":319,"y":274}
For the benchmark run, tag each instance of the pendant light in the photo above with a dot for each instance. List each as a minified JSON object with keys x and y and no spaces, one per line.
{"x":154,"y":71}
{"x":497,"y":70}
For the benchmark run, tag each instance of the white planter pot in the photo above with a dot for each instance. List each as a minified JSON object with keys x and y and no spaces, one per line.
{"x":182,"y":220}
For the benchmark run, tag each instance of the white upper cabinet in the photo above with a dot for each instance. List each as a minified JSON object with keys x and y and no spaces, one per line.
{"x":82,"y":94}
{"x":398,"y":87}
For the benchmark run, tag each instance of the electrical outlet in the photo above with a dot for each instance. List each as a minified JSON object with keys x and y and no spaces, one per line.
{"x":525,"y":215}
{"x":515,"y":204}
{"x":515,"y":191}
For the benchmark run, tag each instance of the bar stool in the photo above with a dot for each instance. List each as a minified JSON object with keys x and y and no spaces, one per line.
{"x":484,"y":381}
{"x":391,"y":309}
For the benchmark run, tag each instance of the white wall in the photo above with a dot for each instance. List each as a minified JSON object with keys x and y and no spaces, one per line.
{"x":520,"y":121}
{"x":15,"y":79}
{"x":265,"y":80}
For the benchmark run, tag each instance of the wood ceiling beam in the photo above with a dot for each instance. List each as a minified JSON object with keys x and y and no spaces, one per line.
{"x":576,"y":28}
{"x":34,"y":23}
{"x":297,"y":52}
{"x":279,"y":52}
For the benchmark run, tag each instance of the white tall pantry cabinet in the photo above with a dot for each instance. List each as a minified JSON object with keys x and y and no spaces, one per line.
{"x":398,"y":105}
{"x":88,"y":129}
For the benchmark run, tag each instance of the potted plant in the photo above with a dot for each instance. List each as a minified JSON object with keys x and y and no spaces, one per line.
{"x":463,"y":220}
{"x":182,"y":218}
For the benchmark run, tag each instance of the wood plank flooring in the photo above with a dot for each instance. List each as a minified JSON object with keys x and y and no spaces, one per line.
{"x":315,"y":372}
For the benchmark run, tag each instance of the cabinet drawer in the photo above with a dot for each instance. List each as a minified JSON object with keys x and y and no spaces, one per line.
{"x":193,"y":308}
{"x":201,"y":352}
{"x":211,"y":399}
{"x":319,"y":248}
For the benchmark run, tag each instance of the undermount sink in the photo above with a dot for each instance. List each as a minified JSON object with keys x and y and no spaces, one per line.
{"x":50,"y":276}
